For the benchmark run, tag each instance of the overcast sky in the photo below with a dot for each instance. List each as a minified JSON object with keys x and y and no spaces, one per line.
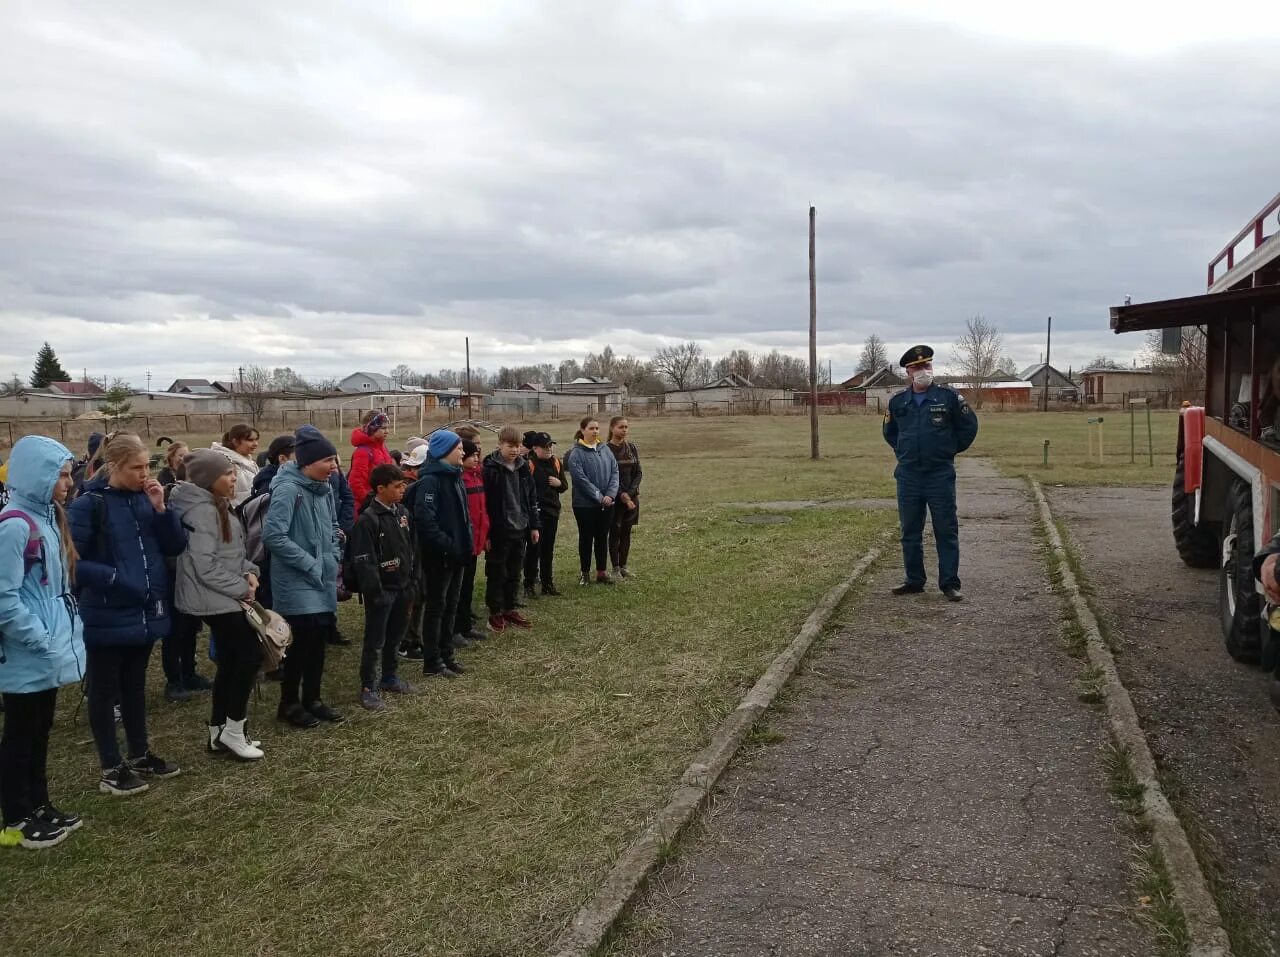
{"x":188,"y":187}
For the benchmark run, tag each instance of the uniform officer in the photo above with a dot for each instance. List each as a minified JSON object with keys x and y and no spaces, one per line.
{"x":927,"y":425}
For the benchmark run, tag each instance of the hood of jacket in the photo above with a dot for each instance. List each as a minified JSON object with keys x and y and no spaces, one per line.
{"x":187,"y":495}
{"x":496,"y":460}
{"x":240,"y":461}
{"x":290,"y":476}
{"x":436,"y":467}
{"x":359,"y":439}
{"x":33,"y":471}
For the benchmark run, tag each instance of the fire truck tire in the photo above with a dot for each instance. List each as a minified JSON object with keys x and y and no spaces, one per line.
{"x":1197,"y":545}
{"x":1239,"y":604}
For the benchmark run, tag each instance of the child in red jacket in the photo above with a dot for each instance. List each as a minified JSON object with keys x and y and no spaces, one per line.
{"x":370,"y":444}
{"x":473,"y":481}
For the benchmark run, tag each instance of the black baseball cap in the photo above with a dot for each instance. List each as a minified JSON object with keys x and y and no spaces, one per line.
{"x":540,"y":440}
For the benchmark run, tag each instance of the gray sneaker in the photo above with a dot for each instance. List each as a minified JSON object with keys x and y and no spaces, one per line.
{"x":371,"y":701}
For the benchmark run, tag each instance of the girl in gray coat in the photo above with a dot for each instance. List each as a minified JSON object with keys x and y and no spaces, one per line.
{"x":214,"y":577}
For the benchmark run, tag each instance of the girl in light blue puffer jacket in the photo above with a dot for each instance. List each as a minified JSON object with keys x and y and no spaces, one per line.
{"x":41,"y":638}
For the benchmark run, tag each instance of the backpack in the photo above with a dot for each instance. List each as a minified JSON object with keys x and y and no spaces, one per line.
{"x":32,"y":555}
{"x":252,"y":514}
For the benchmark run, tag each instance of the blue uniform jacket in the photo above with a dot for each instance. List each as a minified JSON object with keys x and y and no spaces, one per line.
{"x":41,"y":638}
{"x":931,"y":434}
{"x":122,"y":578}
{"x":301,"y":535}
{"x":441,"y":517}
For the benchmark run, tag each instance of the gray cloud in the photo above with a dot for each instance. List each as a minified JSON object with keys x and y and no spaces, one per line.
{"x":186,"y":188}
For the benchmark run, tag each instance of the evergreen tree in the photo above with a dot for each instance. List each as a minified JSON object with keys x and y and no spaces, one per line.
{"x":48,"y":368}
{"x":115,"y":404}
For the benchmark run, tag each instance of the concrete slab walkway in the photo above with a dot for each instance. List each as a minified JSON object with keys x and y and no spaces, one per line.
{"x":939,"y":789}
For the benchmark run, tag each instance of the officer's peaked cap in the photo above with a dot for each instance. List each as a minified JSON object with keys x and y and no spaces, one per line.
{"x":916,"y":354}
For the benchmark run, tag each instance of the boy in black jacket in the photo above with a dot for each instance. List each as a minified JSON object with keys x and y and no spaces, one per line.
{"x":512,"y":503}
{"x":550,"y":482}
{"x":383,"y":556}
{"x":443,"y":526}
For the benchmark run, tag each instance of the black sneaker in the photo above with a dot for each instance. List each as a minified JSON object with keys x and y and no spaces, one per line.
{"x":411,"y":652}
{"x":475,"y":634}
{"x":460,"y":640}
{"x":54,"y":818}
{"x":154,"y":766}
{"x":907,"y":588}
{"x":122,"y":781}
{"x":529,"y":591}
{"x":457,"y":669}
{"x":298,"y":716}
{"x":438,"y":670}
{"x":176,"y":691}
{"x":325,"y":713}
{"x":583,"y":579}
{"x":198,"y":683}
{"x":337,"y":638}
{"x":551,"y":590}
{"x":33,"y":834}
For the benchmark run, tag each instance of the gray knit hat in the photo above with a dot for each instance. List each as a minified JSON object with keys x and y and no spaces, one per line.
{"x":414,"y":442}
{"x":206,"y":466}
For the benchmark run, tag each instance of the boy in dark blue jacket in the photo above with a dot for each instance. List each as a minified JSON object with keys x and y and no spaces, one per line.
{"x":443,"y":527}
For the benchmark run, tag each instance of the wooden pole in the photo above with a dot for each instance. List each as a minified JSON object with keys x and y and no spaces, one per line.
{"x":813,"y":336}
{"x":1048,"y":341}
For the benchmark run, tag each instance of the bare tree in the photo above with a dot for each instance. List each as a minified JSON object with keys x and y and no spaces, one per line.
{"x":1104,"y":362}
{"x":1007,"y":365}
{"x":978,"y":354}
{"x":254,"y":389}
{"x":874,"y":355}
{"x":678,"y":364}
{"x":403,"y":375}
{"x":1185,"y":369}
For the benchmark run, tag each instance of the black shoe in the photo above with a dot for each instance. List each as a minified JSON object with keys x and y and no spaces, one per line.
{"x":411,"y":652}
{"x":122,"y":781}
{"x":551,"y":590}
{"x":460,"y":640}
{"x":33,"y":834}
{"x":54,"y":818}
{"x":438,"y":670}
{"x":953,"y":594}
{"x":323,"y":712}
{"x":906,"y":588}
{"x":456,"y":668}
{"x":176,"y":691}
{"x":298,"y":716}
{"x":198,"y":683}
{"x":337,"y":638}
{"x":474,"y":634}
{"x":154,"y":766}
{"x":583,"y":579}
{"x":530,"y":592}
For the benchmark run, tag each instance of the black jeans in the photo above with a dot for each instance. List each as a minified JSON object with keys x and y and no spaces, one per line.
{"x":439,"y":608}
{"x":502,"y":566}
{"x":413,"y":613}
{"x":178,"y":651}
{"x":239,"y":657}
{"x":466,"y":618}
{"x":538,"y":558}
{"x":593,"y":534}
{"x":24,"y":753}
{"x":117,"y":674}
{"x":385,"y":619}
{"x":621,"y":522}
{"x":304,"y":663}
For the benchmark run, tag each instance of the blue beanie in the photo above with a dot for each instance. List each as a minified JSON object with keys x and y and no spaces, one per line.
{"x":310,"y":446}
{"x":443,"y":442}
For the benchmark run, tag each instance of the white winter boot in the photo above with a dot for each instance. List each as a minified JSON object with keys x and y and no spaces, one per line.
{"x":233,"y":740}
{"x":215,"y":745}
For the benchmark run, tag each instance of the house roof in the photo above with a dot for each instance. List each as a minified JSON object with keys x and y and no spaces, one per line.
{"x":77,"y":388}
{"x":379,"y":380}
{"x":884,"y":378}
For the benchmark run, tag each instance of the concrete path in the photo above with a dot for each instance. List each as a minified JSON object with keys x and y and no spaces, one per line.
{"x":938,"y":789}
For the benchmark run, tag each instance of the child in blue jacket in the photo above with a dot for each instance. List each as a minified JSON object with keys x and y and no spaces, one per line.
{"x":41,"y":644}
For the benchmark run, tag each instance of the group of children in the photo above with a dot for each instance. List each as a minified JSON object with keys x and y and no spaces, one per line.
{"x":99,"y":560}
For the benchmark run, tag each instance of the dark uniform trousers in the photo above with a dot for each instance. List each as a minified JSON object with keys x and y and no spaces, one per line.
{"x":926,"y":437}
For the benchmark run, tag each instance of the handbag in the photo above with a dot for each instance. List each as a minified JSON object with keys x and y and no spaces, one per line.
{"x":272,"y":631}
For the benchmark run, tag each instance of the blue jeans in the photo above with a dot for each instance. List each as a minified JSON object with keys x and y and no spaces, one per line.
{"x":936,"y":491}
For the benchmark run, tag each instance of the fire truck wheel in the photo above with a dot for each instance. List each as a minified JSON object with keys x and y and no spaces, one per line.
{"x":1197,"y":545}
{"x":1239,"y":604}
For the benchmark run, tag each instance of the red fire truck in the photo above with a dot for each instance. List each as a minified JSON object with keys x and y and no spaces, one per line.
{"x":1226,"y":485}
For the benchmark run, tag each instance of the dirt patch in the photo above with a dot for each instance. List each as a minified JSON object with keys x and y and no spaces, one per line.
{"x":1207,"y":718}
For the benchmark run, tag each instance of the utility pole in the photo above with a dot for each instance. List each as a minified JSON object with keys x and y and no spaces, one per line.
{"x":148,"y":380}
{"x":813,"y":335}
{"x":1048,"y":339}
{"x":468,"y":342}
{"x":241,"y":373}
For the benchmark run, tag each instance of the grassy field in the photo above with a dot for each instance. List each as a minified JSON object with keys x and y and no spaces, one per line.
{"x":475,"y":818}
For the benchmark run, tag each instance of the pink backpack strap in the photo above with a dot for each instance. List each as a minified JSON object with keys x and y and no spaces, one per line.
{"x":33,"y":552}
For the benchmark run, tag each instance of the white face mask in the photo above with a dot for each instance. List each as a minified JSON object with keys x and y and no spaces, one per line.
{"x":924,"y":378}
